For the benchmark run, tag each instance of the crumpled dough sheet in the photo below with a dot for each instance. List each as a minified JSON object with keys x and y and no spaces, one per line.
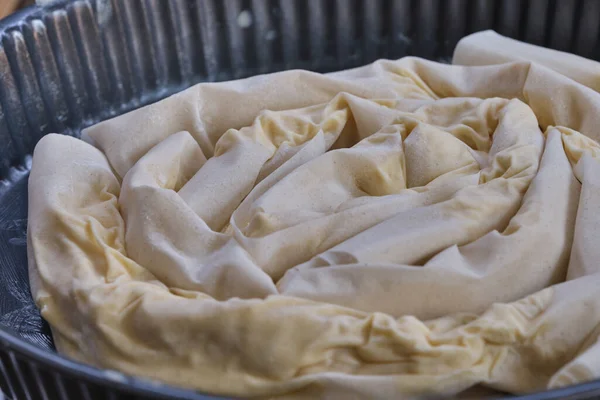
{"x":406,"y":228}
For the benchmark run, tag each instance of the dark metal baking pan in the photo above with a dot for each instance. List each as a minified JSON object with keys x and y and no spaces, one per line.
{"x":70,"y":65}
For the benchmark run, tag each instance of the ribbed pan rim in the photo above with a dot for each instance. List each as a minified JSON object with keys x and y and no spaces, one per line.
{"x":111,"y":379}
{"x":12,"y":343}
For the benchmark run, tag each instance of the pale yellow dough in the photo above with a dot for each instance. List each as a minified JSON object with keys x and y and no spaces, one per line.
{"x":399,"y":229}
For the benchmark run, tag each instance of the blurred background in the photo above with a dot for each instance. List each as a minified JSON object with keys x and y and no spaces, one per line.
{"x":10,"y":6}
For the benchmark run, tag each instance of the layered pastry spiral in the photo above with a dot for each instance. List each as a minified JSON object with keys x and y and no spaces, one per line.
{"x":404,"y":228}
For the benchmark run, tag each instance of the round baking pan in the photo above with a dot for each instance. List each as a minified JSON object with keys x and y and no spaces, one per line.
{"x":72,"y":64}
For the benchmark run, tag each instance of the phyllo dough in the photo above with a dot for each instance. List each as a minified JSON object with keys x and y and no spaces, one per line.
{"x":403,"y":228}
